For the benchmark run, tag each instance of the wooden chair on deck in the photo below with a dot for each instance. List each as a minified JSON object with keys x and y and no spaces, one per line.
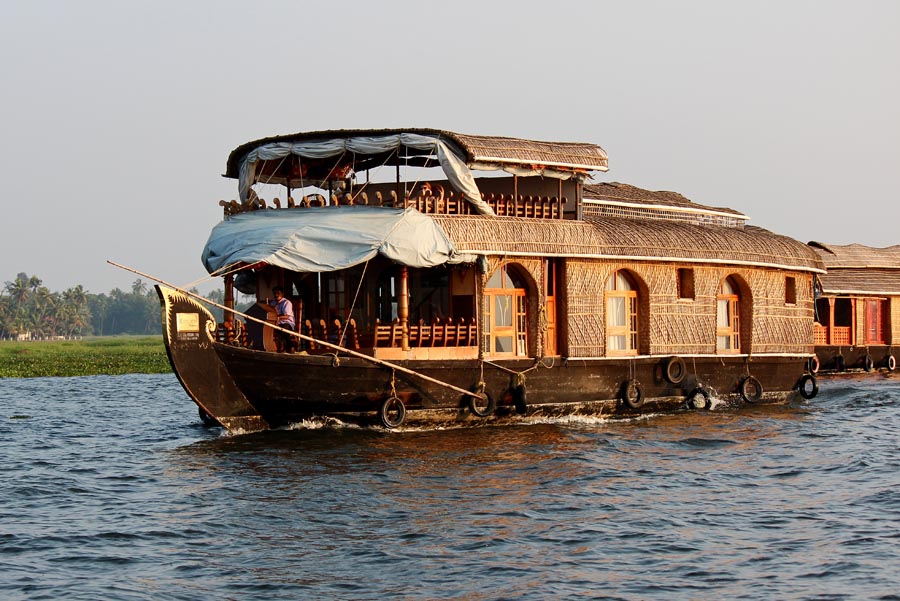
{"x":437,"y":333}
{"x":387,"y":335}
{"x":424,"y":334}
{"x":382,"y":335}
{"x":335,"y":329}
{"x":314,"y":200}
{"x":450,"y":336}
{"x":471,"y":334}
{"x":307,"y":329}
{"x":352,"y":336}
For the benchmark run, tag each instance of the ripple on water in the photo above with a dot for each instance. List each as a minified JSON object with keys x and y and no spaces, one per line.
{"x":114,"y":490}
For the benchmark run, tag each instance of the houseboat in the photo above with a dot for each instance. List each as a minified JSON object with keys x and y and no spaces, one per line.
{"x":440,"y":278}
{"x":857,"y":308}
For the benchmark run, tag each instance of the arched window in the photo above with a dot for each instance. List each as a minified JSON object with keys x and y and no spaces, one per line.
{"x":621,"y":315}
{"x":505,"y":318}
{"x":728,"y":338}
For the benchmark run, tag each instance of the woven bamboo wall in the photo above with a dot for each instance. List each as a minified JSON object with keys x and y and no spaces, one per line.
{"x":678,"y":326}
{"x":892,"y":336}
{"x":859,"y":311}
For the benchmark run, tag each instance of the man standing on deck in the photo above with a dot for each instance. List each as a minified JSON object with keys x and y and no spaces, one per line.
{"x":284,"y":342}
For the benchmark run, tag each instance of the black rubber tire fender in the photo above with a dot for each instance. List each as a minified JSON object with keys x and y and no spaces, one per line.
{"x":805,"y":392}
{"x":868,"y":363}
{"x":751,"y":390}
{"x":393,"y":412}
{"x":699,"y":399}
{"x":813,"y":364}
{"x":675,"y":370}
{"x":632,"y":394}
{"x":473,"y":402}
{"x":520,"y":398}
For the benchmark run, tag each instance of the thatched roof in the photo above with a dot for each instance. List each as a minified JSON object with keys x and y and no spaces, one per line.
{"x":633,"y":239}
{"x":859,"y":269}
{"x":627,"y":194}
{"x":476,"y":149}
{"x":490,"y":149}
{"x":836,"y":256}
{"x":879,"y":282}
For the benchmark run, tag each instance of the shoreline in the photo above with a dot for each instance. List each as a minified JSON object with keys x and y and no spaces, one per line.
{"x":93,"y":356}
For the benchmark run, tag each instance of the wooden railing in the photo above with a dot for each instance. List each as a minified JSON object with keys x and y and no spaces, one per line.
{"x":333,"y":332}
{"x":840,"y":335}
{"x":435,"y":334}
{"x":439,"y":333}
{"x":834,"y":335}
{"x":820,"y":333}
{"x":426,"y":201}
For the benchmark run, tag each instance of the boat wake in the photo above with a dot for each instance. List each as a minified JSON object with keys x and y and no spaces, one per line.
{"x":325,"y":423}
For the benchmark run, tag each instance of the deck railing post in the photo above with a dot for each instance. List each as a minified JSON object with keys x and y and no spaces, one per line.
{"x":229,"y":304}
{"x":403,"y":308}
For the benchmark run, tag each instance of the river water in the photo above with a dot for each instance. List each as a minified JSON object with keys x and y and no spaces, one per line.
{"x":111,"y":489}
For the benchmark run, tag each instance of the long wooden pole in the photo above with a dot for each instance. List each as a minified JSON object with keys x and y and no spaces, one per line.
{"x":336,"y":347}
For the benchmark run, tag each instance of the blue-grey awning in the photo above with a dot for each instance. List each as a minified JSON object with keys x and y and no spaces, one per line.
{"x":329,"y":238}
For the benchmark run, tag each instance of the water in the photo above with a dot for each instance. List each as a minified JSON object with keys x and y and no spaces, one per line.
{"x":112,"y":490}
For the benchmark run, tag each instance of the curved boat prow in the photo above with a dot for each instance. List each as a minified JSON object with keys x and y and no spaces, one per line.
{"x":189,"y":332}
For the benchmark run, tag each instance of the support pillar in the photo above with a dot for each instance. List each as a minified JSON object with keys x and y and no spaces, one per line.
{"x":831,"y":320}
{"x":403,"y":307}
{"x":229,"y":305}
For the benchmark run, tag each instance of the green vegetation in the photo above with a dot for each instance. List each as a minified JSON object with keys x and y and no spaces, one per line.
{"x":90,"y":357}
{"x":29,"y":310}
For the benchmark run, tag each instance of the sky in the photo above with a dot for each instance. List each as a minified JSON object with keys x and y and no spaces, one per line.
{"x":117,"y":117}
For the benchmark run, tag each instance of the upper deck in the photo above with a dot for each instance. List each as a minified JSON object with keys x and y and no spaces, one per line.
{"x":334,"y":168}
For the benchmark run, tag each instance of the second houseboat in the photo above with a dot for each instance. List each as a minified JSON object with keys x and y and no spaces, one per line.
{"x":857,"y":308}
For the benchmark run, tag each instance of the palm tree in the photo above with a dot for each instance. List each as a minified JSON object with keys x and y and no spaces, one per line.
{"x":4,"y":316}
{"x":45,"y":303}
{"x":19,"y":290}
{"x":77,"y":296}
{"x":19,"y":293}
{"x":76,"y":315}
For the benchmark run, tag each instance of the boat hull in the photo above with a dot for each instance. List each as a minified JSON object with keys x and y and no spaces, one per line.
{"x":248,"y":390}
{"x":833,"y":359}
{"x":288,"y":388}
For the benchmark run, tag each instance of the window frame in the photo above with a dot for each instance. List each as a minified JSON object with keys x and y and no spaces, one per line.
{"x":629,"y":330}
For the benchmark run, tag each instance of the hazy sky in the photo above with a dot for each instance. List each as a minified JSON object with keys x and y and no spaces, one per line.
{"x":118,"y":116}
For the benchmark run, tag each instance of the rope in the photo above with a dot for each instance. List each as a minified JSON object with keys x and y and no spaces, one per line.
{"x":368,"y":180}
{"x":220,"y":272}
{"x":274,"y":171}
{"x":537,"y":363}
{"x":264,"y":323}
{"x":330,"y":171}
{"x":342,"y":339}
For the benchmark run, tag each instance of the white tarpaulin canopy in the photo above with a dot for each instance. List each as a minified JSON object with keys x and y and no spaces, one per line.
{"x":329,"y":238}
{"x":454,"y":166}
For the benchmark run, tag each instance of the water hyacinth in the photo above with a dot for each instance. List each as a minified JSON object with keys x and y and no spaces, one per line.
{"x":90,"y":357}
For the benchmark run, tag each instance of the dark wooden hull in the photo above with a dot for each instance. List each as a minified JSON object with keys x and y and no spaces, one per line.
{"x":250,"y":390}
{"x":833,"y":359}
